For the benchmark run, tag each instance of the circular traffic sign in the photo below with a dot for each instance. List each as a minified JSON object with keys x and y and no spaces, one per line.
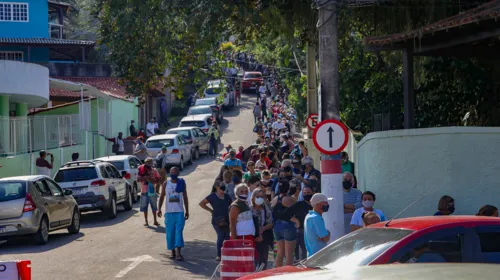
{"x":330,"y":137}
{"x":312,"y":121}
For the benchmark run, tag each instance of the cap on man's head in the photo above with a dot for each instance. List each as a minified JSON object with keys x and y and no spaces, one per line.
{"x":296,"y":161}
{"x":307,"y":160}
{"x":148,"y":160}
{"x":232,"y":151}
{"x":318,"y":198}
{"x":164,"y":148}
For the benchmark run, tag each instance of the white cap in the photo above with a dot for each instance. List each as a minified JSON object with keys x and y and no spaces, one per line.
{"x":318,"y":198}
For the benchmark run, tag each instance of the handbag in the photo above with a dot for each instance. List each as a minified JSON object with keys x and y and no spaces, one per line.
{"x":115,"y":148}
{"x":221,"y":222}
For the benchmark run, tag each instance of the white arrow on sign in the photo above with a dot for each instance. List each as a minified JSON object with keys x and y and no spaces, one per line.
{"x":135,"y":262}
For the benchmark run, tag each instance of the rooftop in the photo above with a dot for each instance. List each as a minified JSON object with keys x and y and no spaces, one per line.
{"x":420,"y":223}
{"x":49,"y":42}
{"x":22,"y":178}
{"x":109,"y":86}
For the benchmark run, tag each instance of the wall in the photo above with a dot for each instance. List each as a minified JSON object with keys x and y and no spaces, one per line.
{"x":37,"y":54}
{"x":122,"y":112}
{"x":37,"y":25}
{"x":13,"y":82}
{"x":402,"y":165}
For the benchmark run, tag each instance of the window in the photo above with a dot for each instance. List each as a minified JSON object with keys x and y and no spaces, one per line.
{"x":118,"y":164}
{"x":104,"y":173}
{"x":110,"y":172}
{"x":132,"y":163}
{"x":201,"y":132}
{"x":199,"y":111}
{"x":17,"y":56}
{"x":184,"y":133}
{"x":115,"y":171}
{"x":489,"y":238}
{"x":76,"y":174}
{"x":195,"y":133}
{"x":14,"y":12}
{"x":56,"y":190}
{"x":137,"y":162}
{"x":12,"y":190}
{"x":192,"y":123}
{"x":431,"y":248}
{"x":42,"y":188}
{"x":157,"y":144}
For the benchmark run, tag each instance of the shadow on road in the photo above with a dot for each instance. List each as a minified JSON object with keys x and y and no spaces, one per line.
{"x":199,"y":258}
{"x":26,"y":245}
{"x":99,"y":219}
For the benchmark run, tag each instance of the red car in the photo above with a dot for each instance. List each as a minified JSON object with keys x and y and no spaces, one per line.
{"x":469,"y":239}
{"x":251,"y":81}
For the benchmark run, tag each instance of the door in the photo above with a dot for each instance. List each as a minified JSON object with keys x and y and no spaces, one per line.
{"x":203,"y":139}
{"x":132,"y":169}
{"x":61,"y":211}
{"x":196,"y":140}
{"x":184,"y":147}
{"x":116,"y":181}
{"x":47,"y":201}
{"x":440,"y":246}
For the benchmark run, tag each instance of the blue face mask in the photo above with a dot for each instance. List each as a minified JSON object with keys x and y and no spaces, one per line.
{"x":325,"y":207}
{"x":174,"y":176}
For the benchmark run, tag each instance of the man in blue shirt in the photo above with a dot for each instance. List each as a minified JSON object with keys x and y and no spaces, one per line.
{"x":232,"y":162}
{"x":316,"y":235}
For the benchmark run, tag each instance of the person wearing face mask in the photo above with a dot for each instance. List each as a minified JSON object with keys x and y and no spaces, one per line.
{"x":267,"y":183}
{"x":446,"y":206}
{"x":263,"y":219}
{"x":284,"y":174}
{"x":241,"y":222}
{"x":176,"y":212}
{"x":148,"y":177}
{"x":232,"y":162}
{"x":251,"y":172}
{"x":310,"y":172}
{"x":213,"y":140}
{"x":316,"y":235}
{"x":368,"y":200}
{"x":253,"y":184}
{"x":220,"y":203}
{"x":352,"y":201}
{"x":300,"y":210}
{"x":140,"y":149}
{"x":285,"y":224}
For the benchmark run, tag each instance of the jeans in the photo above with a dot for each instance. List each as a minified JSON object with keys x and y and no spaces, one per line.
{"x":212,"y":150}
{"x":255,"y":118}
{"x":301,"y":246}
{"x":262,"y":249}
{"x":222,"y":234}
{"x":174,"y":226}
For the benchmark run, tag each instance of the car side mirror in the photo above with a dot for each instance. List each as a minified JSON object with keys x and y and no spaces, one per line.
{"x":68,"y":192}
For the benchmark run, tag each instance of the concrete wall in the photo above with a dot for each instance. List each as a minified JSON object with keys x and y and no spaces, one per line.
{"x":14,"y":82}
{"x":399,"y":166}
{"x":37,"y":25}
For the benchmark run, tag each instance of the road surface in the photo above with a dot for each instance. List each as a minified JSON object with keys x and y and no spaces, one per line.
{"x":123,"y":248}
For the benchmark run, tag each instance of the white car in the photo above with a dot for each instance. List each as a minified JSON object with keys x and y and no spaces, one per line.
{"x":129,"y":164}
{"x":194,"y":137}
{"x":218,"y":87}
{"x":178,"y":150}
{"x":96,"y":185}
{"x":203,"y":122}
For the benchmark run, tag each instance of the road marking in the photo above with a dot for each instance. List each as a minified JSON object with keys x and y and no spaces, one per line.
{"x":135,"y":262}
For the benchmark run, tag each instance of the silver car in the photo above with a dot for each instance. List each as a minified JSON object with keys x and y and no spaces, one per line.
{"x":178,"y":150}
{"x":36,"y":205}
{"x":194,"y":136}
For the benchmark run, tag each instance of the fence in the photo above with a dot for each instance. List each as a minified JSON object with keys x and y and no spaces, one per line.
{"x":28,"y":134}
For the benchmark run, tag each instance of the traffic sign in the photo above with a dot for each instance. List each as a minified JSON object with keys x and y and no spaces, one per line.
{"x":330,"y":137}
{"x":312,"y":121}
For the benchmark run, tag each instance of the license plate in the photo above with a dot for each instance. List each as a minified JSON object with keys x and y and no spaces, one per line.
{"x":85,"y":206}
{"x":3,"y":229}
{"x":79,"y":192}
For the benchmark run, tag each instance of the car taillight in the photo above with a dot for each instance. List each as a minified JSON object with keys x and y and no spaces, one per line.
{"x":29,"y":204}
{"x":127,"y":176}
{"x":205,"y":129}
{"x":175,"y":151}
{"x":98,"y":183}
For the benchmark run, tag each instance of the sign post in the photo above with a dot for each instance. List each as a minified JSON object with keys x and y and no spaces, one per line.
{"x":330,"y":137}
{"x":312,"y":121}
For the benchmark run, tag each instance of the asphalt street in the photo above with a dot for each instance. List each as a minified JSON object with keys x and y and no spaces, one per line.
{"x":123,"y":248}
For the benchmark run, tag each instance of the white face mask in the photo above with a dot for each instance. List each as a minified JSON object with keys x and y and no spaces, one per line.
{"x":259,"y":201}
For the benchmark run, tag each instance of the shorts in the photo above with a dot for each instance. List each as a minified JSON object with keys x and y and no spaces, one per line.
{"x":148,"y":200}
{"x":285,"y":230}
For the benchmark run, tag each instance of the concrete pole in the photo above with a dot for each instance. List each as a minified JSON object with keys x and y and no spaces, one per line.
{"x":331,"y":179}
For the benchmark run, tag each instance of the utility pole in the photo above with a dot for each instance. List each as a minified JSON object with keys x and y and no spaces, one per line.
{"x":331,"y":169}
{"x":312,"y":97}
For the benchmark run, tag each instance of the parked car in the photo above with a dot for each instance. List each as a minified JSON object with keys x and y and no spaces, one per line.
{"x":203,"y":122}
{"x":215,"y":88}
{"x":200,"y":110}
{"x":194,"y":137}
{"x":36,"y":205}
{"x":251,"y":81}
{"x":212,"y":102}
{"x":96,"y":185}
{"x":468,"y":239}
{"x":422,"y":271}
{"x":129,"y":164}
{"x":179,"y":151}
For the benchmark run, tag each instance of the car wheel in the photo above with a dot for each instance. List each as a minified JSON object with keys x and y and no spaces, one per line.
{"x":128,"y":203}
{"x":111,"y":212}
{"x":181,"y":165}
{"x":42,"y":235}
{"x":197,"y":154}
{"x":135,"y":197}
{"x":74,"y":228}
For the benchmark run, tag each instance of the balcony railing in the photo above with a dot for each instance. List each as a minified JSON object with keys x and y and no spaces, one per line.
{"x":34,"y":133}
{"x":56,"y":31}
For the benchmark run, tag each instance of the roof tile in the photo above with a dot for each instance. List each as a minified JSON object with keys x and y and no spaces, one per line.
{"x":44,"y":41}
{"x":109,"y":86}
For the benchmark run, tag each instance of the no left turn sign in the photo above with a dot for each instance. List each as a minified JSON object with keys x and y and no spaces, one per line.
{"x":312,"y":121}
{"x":330,"y":137}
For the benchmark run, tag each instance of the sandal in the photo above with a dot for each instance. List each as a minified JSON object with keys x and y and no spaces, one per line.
{"x":179,"y":258}
{"x":146,"y":225}
{"x":157,"y":224}
{"x":172,"y":255}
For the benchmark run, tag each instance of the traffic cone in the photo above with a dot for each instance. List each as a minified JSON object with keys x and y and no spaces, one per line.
{"x":24,"y":270}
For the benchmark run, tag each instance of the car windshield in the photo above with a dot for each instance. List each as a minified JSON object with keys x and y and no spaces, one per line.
{"x":157,"y":144}
{"x":12,"y":190}
{"x":213,"y":90}
{"x":76,"y":174}
{"x":120,"y":165}
{"x":184,"y":133}
{"x":356,"y":249}
{"x":192,"y":123}
{"x":199,"y":111}
{"x":253,"y":76}
{"x":205,"y":102}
